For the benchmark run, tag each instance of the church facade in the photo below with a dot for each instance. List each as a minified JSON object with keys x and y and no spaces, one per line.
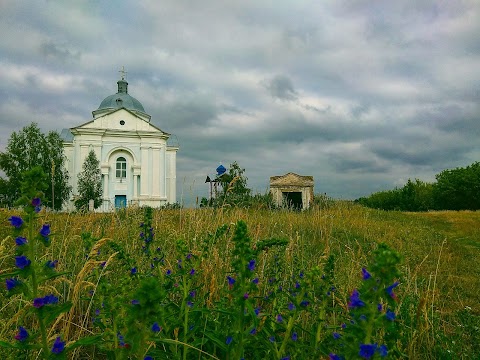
{"x":137,"y":160}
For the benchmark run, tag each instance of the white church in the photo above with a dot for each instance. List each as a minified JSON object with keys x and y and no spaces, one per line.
{"x":137,"y":161}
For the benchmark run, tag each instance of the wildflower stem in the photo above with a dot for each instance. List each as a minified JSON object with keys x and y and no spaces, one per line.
{"x":290,"y":324}
{"x":31,"y":249}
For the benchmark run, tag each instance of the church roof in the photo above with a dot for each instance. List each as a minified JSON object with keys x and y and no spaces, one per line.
{"x":120,"y":100}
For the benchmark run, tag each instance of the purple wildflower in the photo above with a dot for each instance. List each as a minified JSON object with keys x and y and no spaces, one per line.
{"x":336,"y":335}
{"x":355,"y":300}
{"x":294,"y":336}
{"x":257,"y":311}
{"x":11,"y":283}
{"x":22,"y":261}
{"x":231,"y":280}
{"x":390,"y":292}
{"x":147,"y":358}
{"x":305,"y":303}
{"x":133,"y":271}
{"x":291,"y":307}
{"x":45,"y":230}
{"x":255,"y":281}
{"x":156,"y":327}
{"x":365,"y":274}
{"x":58,"y":346}
{"x":253,"y":331}
{"x":390,"y":315}
{"x":50,"y":299}
{"x":51,"y":264}
{"x":189,"y":256}
{"x":192,"y":293}
{"x":135,"y":302}
{"x":271,"y":339}
{"x":22,"y":334}
{"x":229,"y":340}
{"x":16,"y":221}
{"x":245,"y":296}
{"x":367,"y":350}
{"x":334,"y":357}
{"x":297,"y":285}
{"x":382,"y":350}
{"x":379,"y":307}
{"x":190,"y":304}
{"x":192,"y":272}
{"x":168,"y":272}
{"x":251,"y":265}
{"x":38,"y":302}
{"x":279,"y":318}
{"x":20,"y":241}
{"x":102,"y":264}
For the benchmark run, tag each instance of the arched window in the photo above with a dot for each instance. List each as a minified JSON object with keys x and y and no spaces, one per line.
{"x":121,"y":168}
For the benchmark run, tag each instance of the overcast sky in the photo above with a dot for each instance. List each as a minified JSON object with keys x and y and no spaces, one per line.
{"x":360,"y":94}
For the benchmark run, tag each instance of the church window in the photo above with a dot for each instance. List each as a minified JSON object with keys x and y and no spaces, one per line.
{"x":121,"y":167}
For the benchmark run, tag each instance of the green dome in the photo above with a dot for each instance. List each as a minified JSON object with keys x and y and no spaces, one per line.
{"x":121,"y":100}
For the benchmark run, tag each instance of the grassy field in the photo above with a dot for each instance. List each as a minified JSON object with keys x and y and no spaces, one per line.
{"x":438,"y":295}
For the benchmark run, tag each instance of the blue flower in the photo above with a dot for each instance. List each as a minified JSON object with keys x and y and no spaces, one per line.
{"x":231,"y":280}
{"x":51,"y":264}
{"x":16,"y":221}
{"x":58,"y":346}
{"x":304,"y":303}
{"x":135,"y":302}
{"x":22,"y":334}
{"x":294,"y":336}
{"x":133,"y":271}
{"x":379,"y":307}
{"x":336,"y":335}
{"x":50,"y":299}
{"x":390,"y":315}
{"x":11,"y":283}
{"x":382,"y":350}
{"x":192,"y":293}
{"x":365,"y":274}
{"x":45,"y":230}
{"x":20,"y":241}
{"x":189,"y":304}
{"x":253,"y":331}
{"x":36,"y":204}
{"x":355,"y":300}
{"x":367,"y":350}
{"x":22,"y":261}
{"x":245,"y":296}
{"x":251,"y":265}
{"x":228,"y":340}
{"x":192,"y":272}
{"x":279,"y":318}
{"x":390,"y":292}
{"x":257,"y":311}
{"x":291,"y":307}
{"x":271,"y":339}
{"x":156,"y":327}
{"x":255,"y":281}
{"x":334,"y":357}
{"x":147,"y":358}
{"x":168,"y":272}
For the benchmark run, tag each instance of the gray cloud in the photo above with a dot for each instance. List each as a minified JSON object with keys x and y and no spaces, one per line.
{"x":361,"y":95}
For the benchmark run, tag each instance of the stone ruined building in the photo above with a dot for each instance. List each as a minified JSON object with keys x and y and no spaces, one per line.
{"x":292,"y":190}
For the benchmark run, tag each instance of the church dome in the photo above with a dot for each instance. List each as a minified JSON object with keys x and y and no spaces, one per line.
{"x":121,"y":100}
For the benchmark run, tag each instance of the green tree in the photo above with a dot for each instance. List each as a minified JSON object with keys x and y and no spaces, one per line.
{"x":29,"y":148}
{"x":89,"y":183}
{"x":458,"y":189}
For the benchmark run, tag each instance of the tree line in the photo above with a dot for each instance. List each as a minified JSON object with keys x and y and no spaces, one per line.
{"x":31,"y":149}
{"x":454,"y":189}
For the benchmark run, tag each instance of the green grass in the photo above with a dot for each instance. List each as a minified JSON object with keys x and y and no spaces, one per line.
{"x":439,"y":290}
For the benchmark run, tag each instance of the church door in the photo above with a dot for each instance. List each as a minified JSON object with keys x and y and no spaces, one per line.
{"x":120,"y":201}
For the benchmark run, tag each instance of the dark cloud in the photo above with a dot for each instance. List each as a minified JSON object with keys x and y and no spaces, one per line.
{"x":361,"y":95}
{"x":281,"y":87}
